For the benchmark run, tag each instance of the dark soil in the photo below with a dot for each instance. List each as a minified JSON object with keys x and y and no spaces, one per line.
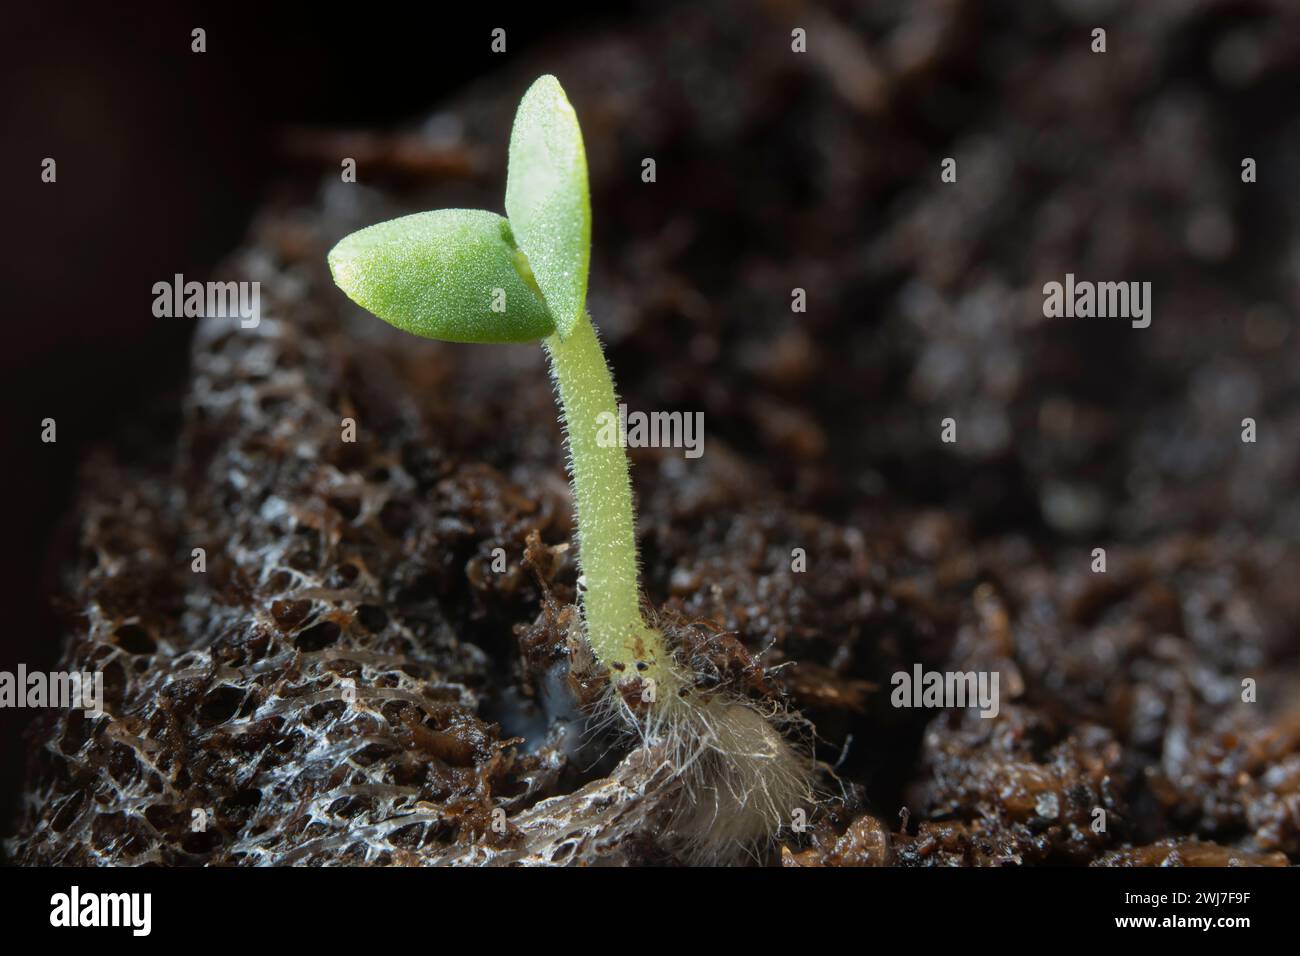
{"x":363,"y":570}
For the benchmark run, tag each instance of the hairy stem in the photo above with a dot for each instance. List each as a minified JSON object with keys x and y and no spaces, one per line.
{"x":602,"y":489}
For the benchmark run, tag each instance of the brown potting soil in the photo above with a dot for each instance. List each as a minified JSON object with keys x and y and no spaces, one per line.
{"x":351,"y":680}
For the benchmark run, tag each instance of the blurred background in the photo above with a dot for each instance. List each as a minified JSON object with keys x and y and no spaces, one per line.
{"x":819,"y":172}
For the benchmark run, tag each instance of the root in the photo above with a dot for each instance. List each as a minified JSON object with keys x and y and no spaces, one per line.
{"x":736,"y":779}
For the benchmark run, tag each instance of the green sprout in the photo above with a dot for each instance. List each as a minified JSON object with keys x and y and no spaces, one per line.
{"x":467,"y":275}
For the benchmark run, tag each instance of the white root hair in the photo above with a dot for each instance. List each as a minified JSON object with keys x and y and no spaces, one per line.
{"x":736,"y":780}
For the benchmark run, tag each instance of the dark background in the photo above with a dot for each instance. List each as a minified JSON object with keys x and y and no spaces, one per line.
{"x":163,"y":155}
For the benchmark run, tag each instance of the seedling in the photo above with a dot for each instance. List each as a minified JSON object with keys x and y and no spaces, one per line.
{"x":467,"y":275}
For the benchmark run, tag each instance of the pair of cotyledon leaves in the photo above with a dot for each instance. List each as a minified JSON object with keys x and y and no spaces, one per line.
{"x":468,"y":275}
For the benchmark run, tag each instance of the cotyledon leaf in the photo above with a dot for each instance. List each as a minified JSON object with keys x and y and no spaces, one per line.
{"x":547,"y":198}
{"x":453,"y":274}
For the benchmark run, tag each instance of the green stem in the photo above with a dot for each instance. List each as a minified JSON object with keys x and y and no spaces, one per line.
{"x":602,"y":488}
